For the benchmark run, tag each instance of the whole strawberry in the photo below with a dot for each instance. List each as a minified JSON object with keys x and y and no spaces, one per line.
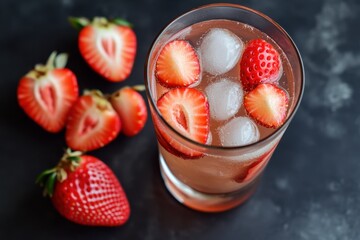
{"x":85,"y":191}
{"x":109,"y":47}
{"x":47,"y":93}
{"x":260,"y":63}
{"x":131,"y":107}
{"x":92,"y":122}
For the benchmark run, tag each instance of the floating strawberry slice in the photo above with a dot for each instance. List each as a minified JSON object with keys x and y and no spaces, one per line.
{"x":260,"y":63}
{"x":92,"y":123}
{"x":160,"y":133}
{"x":109,"y":47}
{"x":84,"y":190}
{"x":47,"y":93}
{"x":131,"y":107}
{"x":177,"y":65}
{"x":254,"y":167}
{"x":187,"y":111}
{"x":267,"y":104}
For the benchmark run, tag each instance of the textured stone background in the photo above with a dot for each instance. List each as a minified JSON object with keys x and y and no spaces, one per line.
{"x":310,"y":190}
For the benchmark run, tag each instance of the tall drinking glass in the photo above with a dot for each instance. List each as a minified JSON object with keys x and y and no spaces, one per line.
{"x":212,"y":177}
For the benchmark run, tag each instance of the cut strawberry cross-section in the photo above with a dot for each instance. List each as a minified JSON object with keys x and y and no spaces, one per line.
{"x":252,"y":170}
{"x":92,"y":123}
{"x":267,"y":104}
{"x":187,"y":111}
{"x":178,"y":65}
{"x":108,"y":46}
{"x":47,"y":93}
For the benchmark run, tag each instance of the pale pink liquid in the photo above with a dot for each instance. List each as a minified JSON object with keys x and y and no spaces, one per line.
{"x":214,"y":174}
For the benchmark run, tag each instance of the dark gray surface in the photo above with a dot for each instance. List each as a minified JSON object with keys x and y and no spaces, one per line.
{"x":311,"y":188}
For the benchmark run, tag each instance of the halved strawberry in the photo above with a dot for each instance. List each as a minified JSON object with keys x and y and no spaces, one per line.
{"x":267,"y":104}
{"x":177,"y":65}
{"x":131,"y":107}
{"x":47,"y":93}
{"x":251,"y":170}
{"x":260,"y":63}
{"x":109,"y":47}
{"x":92,"y":123}
{"x":165,"y":143}
{"x":187,"y":111}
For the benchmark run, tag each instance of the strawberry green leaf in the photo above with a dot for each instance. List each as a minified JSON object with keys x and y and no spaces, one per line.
{"x":74,"y":158}
{"x":122,"y":22}
{"x":79,"y":23}
{"x":50,"y":184}
{"x":41,"y":177}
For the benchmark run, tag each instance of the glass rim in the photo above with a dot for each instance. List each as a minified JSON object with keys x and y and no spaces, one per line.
{"x":216,"y":147}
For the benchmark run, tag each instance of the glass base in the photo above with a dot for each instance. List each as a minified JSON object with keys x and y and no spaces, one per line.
{"x":202,"y":201}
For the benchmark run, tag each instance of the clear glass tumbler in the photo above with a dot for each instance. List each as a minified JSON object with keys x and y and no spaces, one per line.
{"x":220,"y":178}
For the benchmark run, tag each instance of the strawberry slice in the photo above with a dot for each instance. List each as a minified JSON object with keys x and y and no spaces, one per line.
{"x":252,"y":170}
{"x":47,"y":93}
{"x":260,"y":63}
{"x":109,"y":47}
{"x":267,"y":104}
{"x":187,"y":111}
{"x":131,"y":107}
{"x":177,"y":65}
{"x":92,"y":123}
{"x":160,"y":133}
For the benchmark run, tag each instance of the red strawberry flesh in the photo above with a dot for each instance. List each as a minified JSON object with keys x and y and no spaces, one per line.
{"x":187,"y":111}
{"x":91,"y":195}
{"x":267,"y":104}
{"x":131,"y":107}
{"x":92,"y":123}
{"x":48,"y":97}
{"x":252,"y":169}
{"x":260,"y":63}
{"x":177,"y":65}
{"x":110,"y":50}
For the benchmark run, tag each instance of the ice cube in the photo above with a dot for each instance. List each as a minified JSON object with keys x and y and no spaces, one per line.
{"x":256,"y":152}
{"x":220,"y":50}
{"x":238,"y":132}
{"x":209,"y":140}
{"x":225,"y":98}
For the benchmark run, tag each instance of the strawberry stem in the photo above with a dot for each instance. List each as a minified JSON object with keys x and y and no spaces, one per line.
{"x":93,"y":92}
{"x":81,"y":22}
{"x":139,"y":88}
{"x":102,"y":101}
{"x":100,"y":21}
{"x":70,"y":160}
{"x":54,"y":61}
